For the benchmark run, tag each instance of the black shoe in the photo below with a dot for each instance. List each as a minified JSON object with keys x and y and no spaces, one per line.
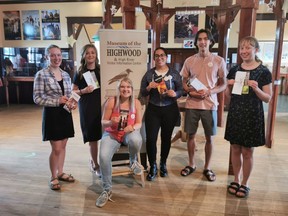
{"x":163,"y":170}
{"x":152,"y":173}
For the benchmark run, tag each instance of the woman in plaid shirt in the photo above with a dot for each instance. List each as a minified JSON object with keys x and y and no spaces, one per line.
{"x":52,"y":90}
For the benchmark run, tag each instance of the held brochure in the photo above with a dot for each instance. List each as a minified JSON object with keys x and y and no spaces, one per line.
{"x":197,"y":84}
{"x":162,"y":88}
{"x":123,"y":120}
{"x":72,"y":100}
{"x":240,"y":85}
{"x":91,"y":79}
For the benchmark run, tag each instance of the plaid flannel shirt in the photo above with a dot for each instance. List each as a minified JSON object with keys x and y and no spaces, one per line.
{"x":46,"y":89}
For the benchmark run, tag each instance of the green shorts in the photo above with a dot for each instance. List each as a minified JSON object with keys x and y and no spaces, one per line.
{"x":208,"y":119}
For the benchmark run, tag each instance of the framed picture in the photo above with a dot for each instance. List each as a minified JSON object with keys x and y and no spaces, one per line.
{"x":186,"y":27}
{"x":31,"y":25}
{"x":188,"y":44}
{"x":12,"y":25}
{"x":51,"y":25}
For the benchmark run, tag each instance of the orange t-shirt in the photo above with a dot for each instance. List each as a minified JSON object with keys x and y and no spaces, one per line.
{"x":126,"y":118}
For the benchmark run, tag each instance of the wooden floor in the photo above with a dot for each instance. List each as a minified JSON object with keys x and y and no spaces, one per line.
{"x":24,"y":176}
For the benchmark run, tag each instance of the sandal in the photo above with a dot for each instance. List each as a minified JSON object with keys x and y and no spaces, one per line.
{"x":54,"y":185}
{"x":209,"y":174}
{"x":187,"y":170}
{"x":67,"y":178}
{"x":244,"y":191}
{"x":233,"y":186}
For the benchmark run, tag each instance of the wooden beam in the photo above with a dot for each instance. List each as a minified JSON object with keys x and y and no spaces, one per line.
{"x":223,"y":17}
{"x":247,"y":20}
{"x":107,"y":16}
{"x":157,"y":16}
{"x":275,"y":72}
{"x":128,"y":11}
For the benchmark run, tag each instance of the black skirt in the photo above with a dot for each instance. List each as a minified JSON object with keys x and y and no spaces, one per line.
{"x":57,"y":124}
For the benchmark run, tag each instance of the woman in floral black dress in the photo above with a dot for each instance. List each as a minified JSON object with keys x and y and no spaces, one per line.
{"x":245,"y":128}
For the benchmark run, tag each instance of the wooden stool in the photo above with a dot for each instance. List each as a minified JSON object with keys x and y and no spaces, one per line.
{"x":121,"y":163}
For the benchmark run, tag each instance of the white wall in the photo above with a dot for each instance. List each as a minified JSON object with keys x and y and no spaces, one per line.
{"x":265,"y":30}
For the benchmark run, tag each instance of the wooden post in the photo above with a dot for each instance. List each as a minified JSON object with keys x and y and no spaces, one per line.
{"x":223,"y":17}
{"x":275,"y":71}
{"x":157,"y":16}
{"x":107,"y":16}
{"x":247,"y":20}
{"x":128,"y":11}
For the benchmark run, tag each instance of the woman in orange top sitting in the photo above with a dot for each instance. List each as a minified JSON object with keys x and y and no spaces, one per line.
{"x":121,"y":120}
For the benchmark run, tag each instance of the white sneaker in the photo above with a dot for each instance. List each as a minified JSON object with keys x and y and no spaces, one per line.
{"x":103,"y":198}
{"x":137,"y":168}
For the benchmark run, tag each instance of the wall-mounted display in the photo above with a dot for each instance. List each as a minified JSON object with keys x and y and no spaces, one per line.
{"x":186,"y":27}
{"x":31,"y":24}
{"x":26,"y":61}
{"x":211,"y":25}
{"x":12,"y":28}
{"x":51,"y":24}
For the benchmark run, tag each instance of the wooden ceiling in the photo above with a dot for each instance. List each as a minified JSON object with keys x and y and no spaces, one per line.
{"x":43,"y":1}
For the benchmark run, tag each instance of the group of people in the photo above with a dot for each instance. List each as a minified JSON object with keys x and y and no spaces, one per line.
{"x":161,"y":86}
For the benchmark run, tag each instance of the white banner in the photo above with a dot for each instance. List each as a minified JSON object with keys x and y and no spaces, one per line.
{"x":123,"y":53}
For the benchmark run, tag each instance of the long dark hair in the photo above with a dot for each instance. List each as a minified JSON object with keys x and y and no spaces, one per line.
{"x":159,"y":48}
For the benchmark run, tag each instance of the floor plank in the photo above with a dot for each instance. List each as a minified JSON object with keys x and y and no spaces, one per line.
{"x":25,"y":173}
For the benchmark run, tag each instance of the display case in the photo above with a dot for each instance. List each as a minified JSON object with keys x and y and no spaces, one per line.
{"x":19,"y":66}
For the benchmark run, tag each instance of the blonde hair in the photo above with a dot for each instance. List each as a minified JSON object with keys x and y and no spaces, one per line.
{"x":51,"y":46}
{"x":253,"y":42}
{"x":131,"y":99}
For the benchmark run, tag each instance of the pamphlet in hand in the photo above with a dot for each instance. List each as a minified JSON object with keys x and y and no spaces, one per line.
{"x":197,"y":84}
{"x":72,"y":101}
{"x":239,"y":86}
{"x":91,"y":79}
{"x":162,"y":88}
{"x":123,"y":120}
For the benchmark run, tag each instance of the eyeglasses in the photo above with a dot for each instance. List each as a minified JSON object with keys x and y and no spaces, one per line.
{"x":159,"y":56}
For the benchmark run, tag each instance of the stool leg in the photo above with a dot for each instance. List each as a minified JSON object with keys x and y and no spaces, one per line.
{"x":142,"y":175}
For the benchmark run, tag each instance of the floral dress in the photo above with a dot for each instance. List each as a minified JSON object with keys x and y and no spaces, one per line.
{"x":245,"y":121}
